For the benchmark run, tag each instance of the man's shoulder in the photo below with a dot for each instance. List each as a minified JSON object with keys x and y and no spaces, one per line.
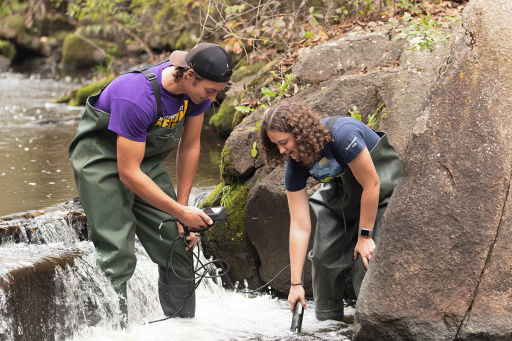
{"x":129,"y":86}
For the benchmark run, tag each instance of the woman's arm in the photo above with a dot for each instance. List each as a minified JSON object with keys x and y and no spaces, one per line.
{"x":365,"y":173}
{"x":300,"y":231}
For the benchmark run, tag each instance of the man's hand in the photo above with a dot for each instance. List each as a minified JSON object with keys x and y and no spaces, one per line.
{"x":297,"y":293}
{"x":364,"y":247}
{"x":193,"y":217}
{"x":191,"y":239}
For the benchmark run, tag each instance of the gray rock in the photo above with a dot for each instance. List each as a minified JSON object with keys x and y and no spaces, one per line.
{"x":348,"y":55}
{"x":237,"y":161}
{"x":441,"y":224}
{"x":5,"y":63}
{"x":267,"y":222}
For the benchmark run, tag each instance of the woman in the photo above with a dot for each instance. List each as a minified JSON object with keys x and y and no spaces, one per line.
{"x":358,"y":168}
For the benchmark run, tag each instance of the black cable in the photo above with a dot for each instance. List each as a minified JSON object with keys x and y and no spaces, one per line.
{"x":221,"y":262}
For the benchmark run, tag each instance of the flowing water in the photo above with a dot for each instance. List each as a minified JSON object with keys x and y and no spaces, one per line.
{"x":35,"y":174}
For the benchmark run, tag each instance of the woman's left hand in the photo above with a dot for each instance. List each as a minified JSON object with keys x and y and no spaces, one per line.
{"x":364,"y":247}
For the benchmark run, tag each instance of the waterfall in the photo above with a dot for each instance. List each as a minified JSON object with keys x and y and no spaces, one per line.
{"x":80,"y":304}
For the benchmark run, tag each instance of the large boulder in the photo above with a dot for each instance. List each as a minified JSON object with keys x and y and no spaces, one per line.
{"x":267,"y":222}
{"x":435,"y":273}
{"x":79,"y":52}
{"x":348,"y":55}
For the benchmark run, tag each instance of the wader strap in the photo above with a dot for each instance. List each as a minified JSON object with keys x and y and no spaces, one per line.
{"x":156,"y":91}
{"x":330,"y":125}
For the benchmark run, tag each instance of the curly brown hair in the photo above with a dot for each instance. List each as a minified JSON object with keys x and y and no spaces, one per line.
{"x":307,"y":128}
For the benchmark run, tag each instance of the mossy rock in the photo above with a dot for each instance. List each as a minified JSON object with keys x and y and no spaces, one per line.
{"x":244,"y":70}
{"x":224,"y":163}
{"x":66,"y":98}
{"x":15,"y":22}
{"x":229,"y":238}
{"x":7,"y":49}
{"x":79,"y":97}
{"x":222,"y":120}
{"x":78,"y":53}
{"x":91,"y":89}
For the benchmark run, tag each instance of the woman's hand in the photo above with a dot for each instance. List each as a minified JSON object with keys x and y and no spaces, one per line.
{"x":297,"y":293}
{"x":365,"y":247}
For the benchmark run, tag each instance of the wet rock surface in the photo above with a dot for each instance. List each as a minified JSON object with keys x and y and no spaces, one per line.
{"x":434,"y":275}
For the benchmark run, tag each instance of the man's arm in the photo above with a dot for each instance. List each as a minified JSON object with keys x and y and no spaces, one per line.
{"x":129,"y":158}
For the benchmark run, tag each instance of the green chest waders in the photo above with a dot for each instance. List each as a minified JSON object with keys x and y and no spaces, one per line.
{"x":116,"y":214}
{"x":337,"y":208}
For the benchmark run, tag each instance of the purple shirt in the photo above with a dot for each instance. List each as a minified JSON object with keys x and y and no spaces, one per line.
{"x":129,"y":100}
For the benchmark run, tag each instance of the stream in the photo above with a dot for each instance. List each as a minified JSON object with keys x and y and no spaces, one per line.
{"x":35,"y":174}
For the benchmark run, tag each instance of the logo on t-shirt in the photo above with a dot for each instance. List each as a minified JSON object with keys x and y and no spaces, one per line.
{"x":352,"y":144}
{"x":172,"y":120}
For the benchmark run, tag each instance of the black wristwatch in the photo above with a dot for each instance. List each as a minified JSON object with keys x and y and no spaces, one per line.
{"x":365,"y":232}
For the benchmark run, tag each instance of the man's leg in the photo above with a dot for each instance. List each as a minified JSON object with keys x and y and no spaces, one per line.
{"x":175,"y":293}
{"x":108,"y":208}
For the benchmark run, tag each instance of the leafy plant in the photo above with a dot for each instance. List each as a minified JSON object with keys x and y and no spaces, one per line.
{"x":424,"y":31}
{"x":355,"y":113}
{"x":373,"y":119}
{"x":108,"y":68}
{"x":408,"y":6}
{"x":377,"y":116}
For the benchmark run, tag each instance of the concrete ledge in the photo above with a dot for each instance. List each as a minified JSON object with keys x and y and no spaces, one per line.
{"x":32,"y":302}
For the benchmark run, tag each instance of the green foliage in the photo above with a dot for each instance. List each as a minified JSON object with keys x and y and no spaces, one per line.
{"x":7,"y":49}
{"x":408,"y":5}
{"x":424,"y":31}
{"x":373,"y":119}
{"x":355,"y":113}
{"x":107,"y":69}
{"x":377,"y":116}
{"x":139,"y":19}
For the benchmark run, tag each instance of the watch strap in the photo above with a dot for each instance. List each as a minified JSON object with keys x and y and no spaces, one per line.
{"x":365,"y":232}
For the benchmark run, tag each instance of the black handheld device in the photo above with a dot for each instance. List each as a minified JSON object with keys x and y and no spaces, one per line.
{"x":298,"y":313}
{"x":217,"y":214}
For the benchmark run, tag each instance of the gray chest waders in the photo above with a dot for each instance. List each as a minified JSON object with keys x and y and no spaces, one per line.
{"x":116,"y":214}
{"x":337,"y":208}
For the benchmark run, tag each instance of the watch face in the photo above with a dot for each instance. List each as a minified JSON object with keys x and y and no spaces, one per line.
{"x":365,"y":233}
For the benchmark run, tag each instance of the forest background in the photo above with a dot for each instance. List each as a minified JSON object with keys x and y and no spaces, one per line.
{"x":124,"y":32}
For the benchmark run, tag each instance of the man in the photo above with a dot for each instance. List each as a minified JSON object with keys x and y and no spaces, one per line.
{"x":125,"y":133}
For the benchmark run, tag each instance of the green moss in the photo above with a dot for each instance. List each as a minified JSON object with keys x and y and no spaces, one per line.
{"x":224,"y":161}
{"x":66,"y":98}
{"x":91,"y":89}
{"x":15,"y":22}
{"x":213,"y":199}
{"x":7,"y":49}
{"x":231,"y":234}
{"x":222,"y":120}
{"x":77,"y":52}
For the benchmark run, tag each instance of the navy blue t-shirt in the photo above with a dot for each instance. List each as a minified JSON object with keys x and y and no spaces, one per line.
{"x":350,"y":137}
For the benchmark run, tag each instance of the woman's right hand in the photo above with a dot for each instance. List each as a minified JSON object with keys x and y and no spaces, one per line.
{"x":297,"y":293}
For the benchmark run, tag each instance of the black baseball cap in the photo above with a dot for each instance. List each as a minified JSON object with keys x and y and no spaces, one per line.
{"x":208,"y":60}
